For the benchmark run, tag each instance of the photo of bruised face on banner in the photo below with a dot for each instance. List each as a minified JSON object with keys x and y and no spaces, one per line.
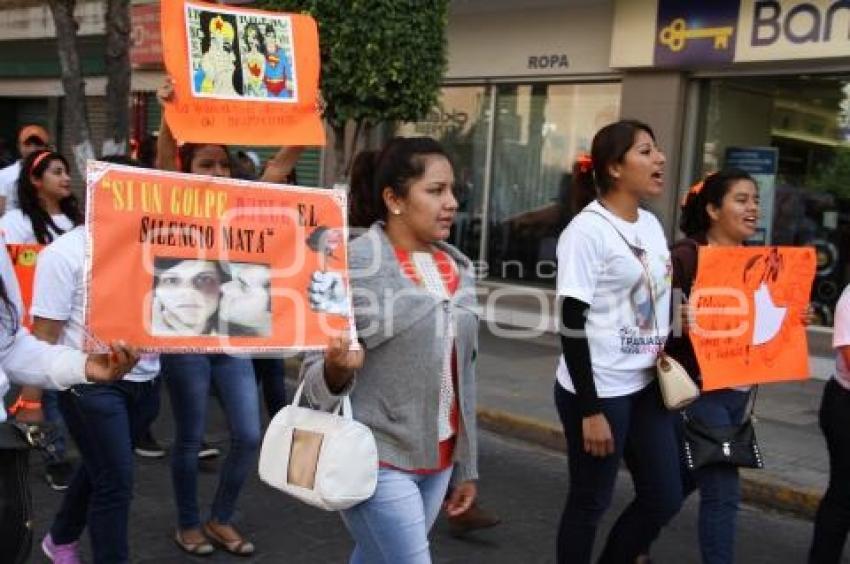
{"x":241,"y":56}
{"x":194,"y":297}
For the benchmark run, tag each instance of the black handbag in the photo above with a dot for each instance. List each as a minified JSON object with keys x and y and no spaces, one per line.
{"x":729,"y":444}
{"x":16,"y":440}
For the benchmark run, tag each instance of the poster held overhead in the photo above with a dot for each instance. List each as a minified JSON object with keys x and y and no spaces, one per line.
{"x":241,"y":76}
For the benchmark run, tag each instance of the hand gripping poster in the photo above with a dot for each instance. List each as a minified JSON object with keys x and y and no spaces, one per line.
{"x":749,"y":307}
{"x":241,"y":76}
{"x":186,"y":263}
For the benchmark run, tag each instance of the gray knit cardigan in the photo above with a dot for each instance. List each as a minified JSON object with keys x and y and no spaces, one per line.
{"x":401,"y":325}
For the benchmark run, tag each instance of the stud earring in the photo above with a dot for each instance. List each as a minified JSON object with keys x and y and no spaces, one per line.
{"x":396,"y":212}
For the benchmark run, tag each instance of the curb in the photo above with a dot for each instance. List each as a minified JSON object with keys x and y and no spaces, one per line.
{"x":758,"y":487}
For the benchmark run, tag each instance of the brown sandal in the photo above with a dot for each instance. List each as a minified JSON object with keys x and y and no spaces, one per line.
{"x":237,"y":546}
{"x":202,"y":548}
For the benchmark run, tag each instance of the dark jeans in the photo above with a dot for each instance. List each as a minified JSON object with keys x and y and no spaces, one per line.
{"x":103,"y":419}
{"x":644,"y":434}
{"x":719,"y":486}
{"x":50,"y":408}
{"x":15,"y":506}
{"x":832,"y":520}
{"x":270,"y":373}
{"x":189,"y":379}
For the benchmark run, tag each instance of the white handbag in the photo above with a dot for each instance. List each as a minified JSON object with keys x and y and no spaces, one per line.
{"x":327,"y":460}
{"x":678,"y":389}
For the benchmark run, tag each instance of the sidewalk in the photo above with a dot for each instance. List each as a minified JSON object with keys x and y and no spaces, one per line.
{"x":515,"y":383}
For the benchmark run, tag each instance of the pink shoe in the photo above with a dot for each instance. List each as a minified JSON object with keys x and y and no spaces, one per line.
{"x":61,"y":553}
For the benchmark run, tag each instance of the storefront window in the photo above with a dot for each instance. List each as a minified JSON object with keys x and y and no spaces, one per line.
{"x":540,"y":130}
{"x":795,"y":134}
{"x":461,"y":123}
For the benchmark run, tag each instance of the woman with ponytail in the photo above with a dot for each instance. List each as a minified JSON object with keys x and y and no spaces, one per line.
{"x":414,"y":310}
{"x":48,"y":208}
{"x":613,"y":283}
{"x":721,"y":211}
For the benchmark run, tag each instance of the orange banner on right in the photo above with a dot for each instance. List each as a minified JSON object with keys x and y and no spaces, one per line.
{"x":749,"y":306}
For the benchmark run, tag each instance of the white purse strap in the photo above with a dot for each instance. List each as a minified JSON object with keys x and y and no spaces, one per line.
{"x":343,"y":407}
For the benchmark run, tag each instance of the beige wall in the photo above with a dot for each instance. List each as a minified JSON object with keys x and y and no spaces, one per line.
{"x":499,"y":43}
{"x":658,"y":98}
{"x":36,"y":21}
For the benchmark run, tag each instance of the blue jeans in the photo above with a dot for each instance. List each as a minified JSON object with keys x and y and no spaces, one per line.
{"x":719,"y":486}
{"x":189,"y":378}
{"x":103,"y":419}
{"x":50,"y":408}
{"x":392,"y":526}
{"x":271,"y":373}
{"x":644,"y":434}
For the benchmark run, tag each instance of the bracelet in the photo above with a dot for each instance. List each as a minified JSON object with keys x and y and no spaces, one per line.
{"x":22,"y":403}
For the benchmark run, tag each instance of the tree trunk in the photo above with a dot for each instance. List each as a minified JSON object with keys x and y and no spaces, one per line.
{"x":339,"y":154}
{"x":118,"y":77}
{"x":75,"y":116}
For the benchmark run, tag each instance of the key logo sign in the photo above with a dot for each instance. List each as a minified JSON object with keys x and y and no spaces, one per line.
{"x":696,"y":32}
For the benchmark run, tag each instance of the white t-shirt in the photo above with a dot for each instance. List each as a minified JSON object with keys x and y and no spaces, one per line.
{"x":59,"y":293}
{"x":17,"y":227}
{"x":625,"y":330}
{"x":841,"y":337}
{"x":9,"y":184}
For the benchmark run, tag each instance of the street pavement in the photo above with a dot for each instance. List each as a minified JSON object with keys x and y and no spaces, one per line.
{"x":522,"y":482}
{"x":515,"y":386}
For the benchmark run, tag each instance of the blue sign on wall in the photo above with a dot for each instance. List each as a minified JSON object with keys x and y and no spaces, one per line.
{"x":698,"y":32}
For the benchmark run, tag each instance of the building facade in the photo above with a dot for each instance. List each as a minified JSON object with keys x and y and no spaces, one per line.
{"x":759,"y":84}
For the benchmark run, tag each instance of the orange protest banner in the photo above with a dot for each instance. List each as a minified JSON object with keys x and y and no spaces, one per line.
{"x":749,"y":304}
{"x":180,"y":263}
{"x":24,"y":258}
{"x":242,"y":76}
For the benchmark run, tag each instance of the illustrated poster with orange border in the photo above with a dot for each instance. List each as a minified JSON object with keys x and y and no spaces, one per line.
{"x":187,"y":263}
{"x":241,"y":76}
{"x":24,"y":259}
{"x":749,"y":305}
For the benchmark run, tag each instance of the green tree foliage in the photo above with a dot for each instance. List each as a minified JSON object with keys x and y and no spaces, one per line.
{"x":382,"y":60}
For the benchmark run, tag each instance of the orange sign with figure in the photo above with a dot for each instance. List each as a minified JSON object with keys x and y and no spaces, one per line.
{"x":241,"y":76}
{"x":749,"y":307}
{"x":24,"y":258}
{"x":185,"y":263}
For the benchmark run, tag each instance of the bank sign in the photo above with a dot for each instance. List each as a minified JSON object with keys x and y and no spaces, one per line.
{"x":705,"y":33}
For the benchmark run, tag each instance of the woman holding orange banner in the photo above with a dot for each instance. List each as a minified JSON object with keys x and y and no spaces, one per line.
{"x":414,"y":308}
{"x":723,"y":210}
{"x":190,"y":376}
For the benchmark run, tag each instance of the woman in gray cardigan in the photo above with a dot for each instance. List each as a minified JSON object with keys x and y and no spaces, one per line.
{"x":413,"y":381}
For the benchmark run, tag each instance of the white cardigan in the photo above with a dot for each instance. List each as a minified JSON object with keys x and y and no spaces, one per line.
{"x":25,"y":359}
